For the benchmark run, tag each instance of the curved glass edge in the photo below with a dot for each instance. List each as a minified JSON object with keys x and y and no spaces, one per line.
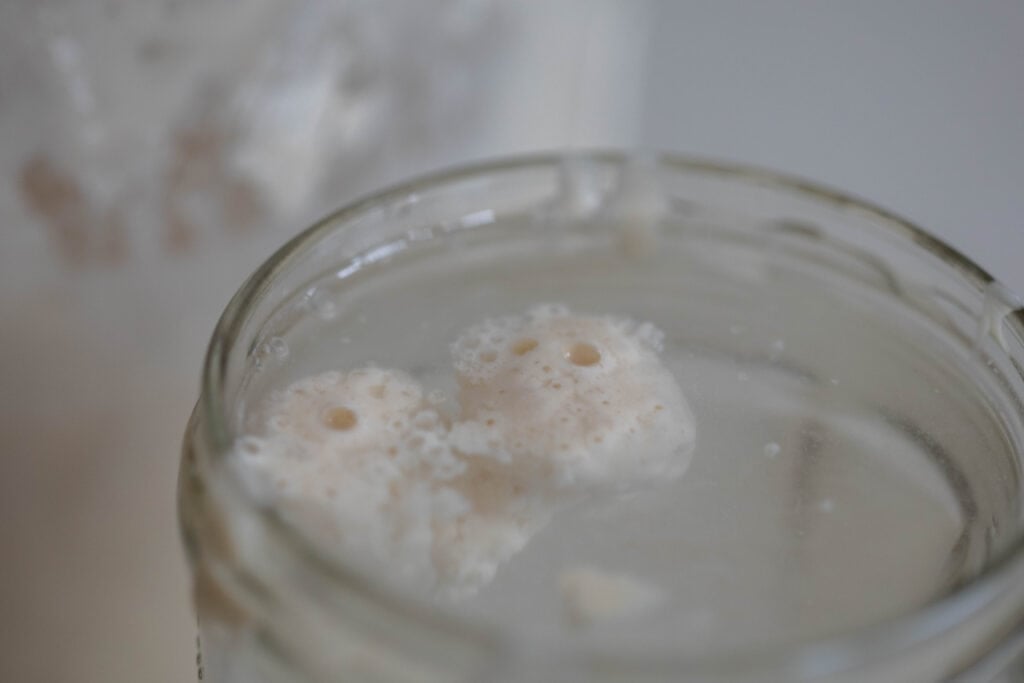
{"x":823,"y":657}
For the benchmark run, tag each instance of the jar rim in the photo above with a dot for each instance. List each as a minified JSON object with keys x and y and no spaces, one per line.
{"x":817,"y":656}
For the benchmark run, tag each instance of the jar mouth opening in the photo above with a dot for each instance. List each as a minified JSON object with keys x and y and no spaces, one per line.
{"x":829,"y":654}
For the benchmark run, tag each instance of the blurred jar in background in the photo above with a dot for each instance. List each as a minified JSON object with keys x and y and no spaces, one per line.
{"x":143,"y":127}
{"x":151,"y":154}
{"x":158,"y":122}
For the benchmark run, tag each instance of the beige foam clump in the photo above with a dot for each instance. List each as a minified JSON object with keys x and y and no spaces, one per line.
{"x":503,"y":515}
{"x":576,"y":400}
{"x":591,"y":596}
{"x":358,"y":461}
{"x":372,"y":419}
{"x":551,"y":405}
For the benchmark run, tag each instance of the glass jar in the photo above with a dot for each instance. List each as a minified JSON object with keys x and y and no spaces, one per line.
{"x":274,"y":606}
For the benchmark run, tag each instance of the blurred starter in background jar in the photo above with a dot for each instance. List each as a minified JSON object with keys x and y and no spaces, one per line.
{"x":151,"y":153}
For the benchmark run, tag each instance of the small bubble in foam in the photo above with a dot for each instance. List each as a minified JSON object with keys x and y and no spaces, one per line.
{"x":772,"y":449}
{"x":523,"y":346}
{"x":827,"y":505}
{"x":340,"y":418}
{"x":583,"y":354}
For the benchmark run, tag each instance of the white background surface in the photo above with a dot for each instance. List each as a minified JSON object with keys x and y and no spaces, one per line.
{"x":916,"y":105}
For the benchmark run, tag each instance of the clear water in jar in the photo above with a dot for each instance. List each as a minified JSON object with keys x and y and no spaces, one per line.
{"x":845,"y":464}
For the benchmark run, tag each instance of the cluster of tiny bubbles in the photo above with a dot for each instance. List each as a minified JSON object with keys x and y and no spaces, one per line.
{"x":277,"y":347}
{"x":650,"y":335}
{"x":320,"y":303}
{"x":273,"y":348}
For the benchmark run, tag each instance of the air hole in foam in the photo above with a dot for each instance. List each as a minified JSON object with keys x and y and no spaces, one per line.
{"x":524,"y":346}
{"x":340,"y":418}
{"x":583,"y":354}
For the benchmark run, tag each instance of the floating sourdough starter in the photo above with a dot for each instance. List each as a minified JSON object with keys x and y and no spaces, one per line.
{"x":553,"y":408}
